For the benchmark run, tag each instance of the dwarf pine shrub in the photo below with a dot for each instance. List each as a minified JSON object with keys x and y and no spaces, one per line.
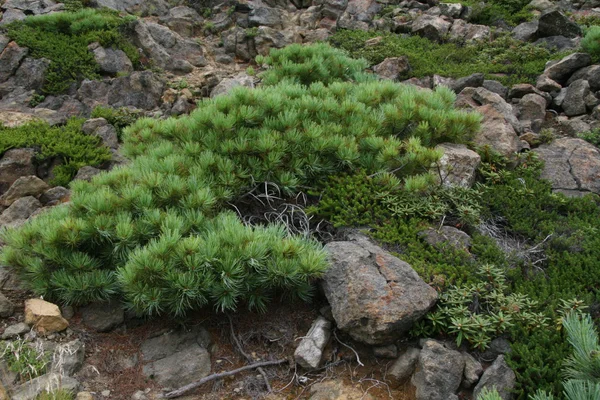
{"x":63,"y":38}
{"x":591,"y":42}
{"x":157,"y":231}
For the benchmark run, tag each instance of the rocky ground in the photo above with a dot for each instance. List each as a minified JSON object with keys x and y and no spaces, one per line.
{"x":343,"y":346}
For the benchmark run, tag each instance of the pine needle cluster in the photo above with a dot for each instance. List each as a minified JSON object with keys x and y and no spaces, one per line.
{"x":157,"y":231}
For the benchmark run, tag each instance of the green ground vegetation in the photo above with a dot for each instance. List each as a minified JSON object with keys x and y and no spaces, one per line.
{"x":504,"y":59}
{"x":63,"y":38}
{"x":157,"y":232}
{"x":24,"y":360}
{"x":491,"y":12}
{"x":512,"y":215}
{"x":67,"y":143}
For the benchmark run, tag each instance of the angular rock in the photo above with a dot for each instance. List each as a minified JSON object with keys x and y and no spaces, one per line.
{"x":374,"y":296}
{"x":558,"y":43}
{"x":526,"y":31}
{"x":447,"y":236}
{"x":22,"y":187}
{"x":103,"y":317}
{"x":439,"y":372}
{"x":266,"y":16}
{"x":545,"y":84}
{"x":496,"y":132}
{"x":177,"y":358}
{"x":310,"y":350}
{"x":7,"y":308}
{"x":496,"y":87}
{"x":475,"y":97}
{"x":474,"y":80}
{"x":519,"y":90}
{"x":137,"y":7}
{"x":473,"y":370}
{"x":571,"y":165}
{"x":561,"y":71}
{"x":112,"y":61}
{"x":49,"y":382}
{"x":14,"y":164}
{"x":458,"y":165}
{"x":68,"y":358}
{"x":405,"y":365}
{"x":54,"y":196}
{"x":574,"y":102}
{"x":227,"y":84}
{"x":452,"y":10}
{"x":498,"y":376}
{"x":90,"y":126}
{"x":337,"y":389}
{"x":15,"y":330}
{"x":44,"y":316}
{"x":11,"y":15}
{"x":433,"y":28}
{"x":10,"y":59}
{"x":392,"y":68}
{"x":465,"y":32}
{"x":590,"y":74}
{"x":269,"y":38}
{"x":109,"y":136}
{"x":532,"y":109}
{"x":19,"y":211}
{"x":32,"y":7}
{"x":555,"y":23}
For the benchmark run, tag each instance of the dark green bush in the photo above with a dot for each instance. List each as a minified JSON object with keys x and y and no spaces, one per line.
{"x":63,"y":38}
{"x":120,"y":118}
{"x":505,"y":59}
{"x":156,"y":231}
{"x":67,"y":143}
{"x":592,"y":137}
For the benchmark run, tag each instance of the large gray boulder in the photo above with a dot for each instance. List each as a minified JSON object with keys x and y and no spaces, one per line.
{"x":141,"y":89}
{"x":374,"y":296}
{"x":574,"y":102}
{"x":473,"y":98}
{"x":266,"y":16}
{"x":167,"y":49}
{"x":270,"y":38}
{"x":177,"y":358}
{"x":590,"y":74}
{"x":19,"y":211}
{"x":432,"y":27}
{"x":14,"y":164}
{"x":112,"y":61}
{"x":561,"y":70}
{"x":571,"y":165}
{"x":555,"y":23}
{"x":496,"y":132}
{"x":34,"y":7}
{"x":498,"y":376}
{"x":439,"y":372}
{"x":10,"y":60}
{"x":68,"y":358}
{"x":465,"y":32}
{"x":392,"y":68}
{"x":22,"y":187}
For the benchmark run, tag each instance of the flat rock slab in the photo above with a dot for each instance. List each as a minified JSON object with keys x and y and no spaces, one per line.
{"x":177,"y":358}
{"x":374,"y":296}
{"x":571,"y":165}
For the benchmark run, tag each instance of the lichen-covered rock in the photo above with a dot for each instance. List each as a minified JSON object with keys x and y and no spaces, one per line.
{"x":496,"y":132}
{"x":374,"y":296}
{"x":458,"y":165}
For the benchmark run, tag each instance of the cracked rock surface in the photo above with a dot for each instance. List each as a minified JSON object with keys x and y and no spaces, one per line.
{"x":374,"y":296}
{"x":571,"y":165}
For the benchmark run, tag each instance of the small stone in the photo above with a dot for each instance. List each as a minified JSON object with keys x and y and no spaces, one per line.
{"x":139,"y":395}
{"x":7,"y":308}
{"x":404,"y":366}
{"x":310,"y":350}
{"x":105,"y":393}
{"x":392,"y":68}
{"x":498,"y":376}
{"x":545,"y":84}
{"x":389,"y":351}
{"x":15,"y":330}
{"x":55,"y":195}
{"x":86,"y":173}
{"x":84,"y":396}
{"x":19,"y":211}
{"x":473,"y":371}
{"x":44,"y":316}
{"x":68,"y":358}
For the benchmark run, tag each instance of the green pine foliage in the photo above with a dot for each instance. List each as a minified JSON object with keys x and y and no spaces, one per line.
{"x":591,"y":42}
{"x":63,"y":38}
{"x":67,"y":143}
{"x":504,"y":59}
{"x":308,"y":64}
{"x":157,"y":233}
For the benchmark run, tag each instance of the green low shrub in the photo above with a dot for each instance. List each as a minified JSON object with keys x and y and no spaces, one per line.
{"x":63,"y":38}
{"x":504,"y":59}
{"x":592,"y":137}
{"x":120,"y":118}
{"x":591,"y":42}
{"x":26,"y":361}
{"x":67,"y":143}
{"x":157,"y":231}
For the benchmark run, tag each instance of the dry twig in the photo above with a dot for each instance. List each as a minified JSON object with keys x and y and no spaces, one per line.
{"x":182,"y":390}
